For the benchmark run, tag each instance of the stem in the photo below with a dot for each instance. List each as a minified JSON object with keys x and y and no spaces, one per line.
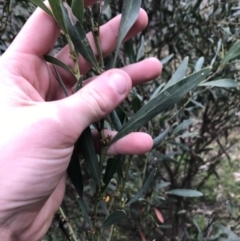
{"x":111,"y":233}
{"x":65,"y":220}
{"x":76,"y":69}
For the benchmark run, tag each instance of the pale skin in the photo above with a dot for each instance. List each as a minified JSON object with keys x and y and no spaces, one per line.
{"x":39,"y":126}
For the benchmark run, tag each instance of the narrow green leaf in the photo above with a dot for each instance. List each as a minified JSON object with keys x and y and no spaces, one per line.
{"x":199,"y":64}
{"x":157,"y":91}
{"x":185,"y":193}
{"x":75,"y":173}
{"x":114,"y":218}
{"x":183,"y":126}
{"x":78,"y":9}
{"x":232,"y":53}
{"x":158,"y":140}
{"x":111,"y":169}
{"x":129,"y":50}
{"x":224,"y":83}
{"x":167,"y":59}
{"x":130,"y":12}
{"x":57,"y":62}
{"x":231,"y":235}
{"x":106,"y":3}
{"x":163,"y":101}
{"x":141,"y":50}
{"x":161,"y":185}
{"x":40,"y":4}
{"x":216,"y":54}
{"x":179,"y":74}
{"x":144,"y":189}
{"x":85,"y":210}
{"x":115,"y":120}
{"x":56,"y":6}
{"x":120,"y":167}
{"x":136,"y":104}
{"x":104,"y":207}
{"x":86,"y":145}
{"x":78,"y":36}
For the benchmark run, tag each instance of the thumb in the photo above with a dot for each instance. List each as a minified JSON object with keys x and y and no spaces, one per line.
{"x":94,"y":101}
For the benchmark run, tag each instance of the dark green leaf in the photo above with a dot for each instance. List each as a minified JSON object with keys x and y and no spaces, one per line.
{"x":141,"y":50}
{"x":144,"y":189}
{"x":56,"y":6}
{"x":185,"y":193}
{"x":158,"y":140}
{"x":86,"y":145}
{"x":130,"y":12}
{"x":136,"y":104}
{"x":157,"y":91}
{"x":179,"y":74}
{"x":78,"y":36}
{"x":114,"y":218}
{"x":183,"y":126}
{"x":224,"y":83}
{"x":120,"y":167}
{"x":85,"y":210}
{"x":129,"y":50}
{"x":233,"y":52}
{"x":163,"y":101}
{"x":115,"y":120}
{"x":104,"y":207}
{"x":57,"y":62}
{"x":78,"y":9}
{"x":40,"y":4}
{"x":111,"y":169}
{"x":75,"y":173}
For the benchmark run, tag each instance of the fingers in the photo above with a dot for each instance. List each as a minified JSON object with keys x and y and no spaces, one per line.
{"x":139,"y":73}
{"x":93,"y":102}
{"x":135,"y":143}
{"x":39,"y":34}
{"x":108,"y":39}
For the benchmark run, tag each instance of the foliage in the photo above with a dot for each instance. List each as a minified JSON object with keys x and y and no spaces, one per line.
{"x":156,"y":196}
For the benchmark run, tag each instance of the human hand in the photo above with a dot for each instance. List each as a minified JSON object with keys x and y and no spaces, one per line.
{"x":39,"y":126}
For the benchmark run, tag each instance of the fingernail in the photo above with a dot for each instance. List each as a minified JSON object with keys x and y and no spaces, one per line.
{"x":118,"y":82}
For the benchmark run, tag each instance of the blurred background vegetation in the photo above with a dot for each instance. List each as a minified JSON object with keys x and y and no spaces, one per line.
{"x":200,"y":150}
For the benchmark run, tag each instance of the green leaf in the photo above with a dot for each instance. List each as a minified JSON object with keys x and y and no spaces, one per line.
{"x":75,"y":173}
{"x":40,"y":4}
{"x":232,"y":53}
{"x":163,"y":101}
{"x":86,"y":145}
{"x":183,"y":126}
{"x":111,"y":169}
{"x":199,"y":64}
{"x":158,"y":140}
{"x":130,"y":12}
{"x":218,"y":49}
{"x":167,"y":59}
{"x":231,"y":235}
{"x":144,"y":189}
{"x":129,"y":50}
{"x":114,"y":218}
{"x":104,"y":207}
{"x":115,"y":120}
{"x":162,"y":185}
{"x":185,"y":193}
{"x":78,"y":9}
{"x":141,"y":50}
{"x":85,"y":210}
{"x":57,"y":62}
{"x":78,"y":36}
{"x":56,"y":6}
{"x":224,"y":83}
{"x":157,"y":91}
{"x":136,"y":104}
{"x":106,"y":3}
{"x":179,"y":74}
